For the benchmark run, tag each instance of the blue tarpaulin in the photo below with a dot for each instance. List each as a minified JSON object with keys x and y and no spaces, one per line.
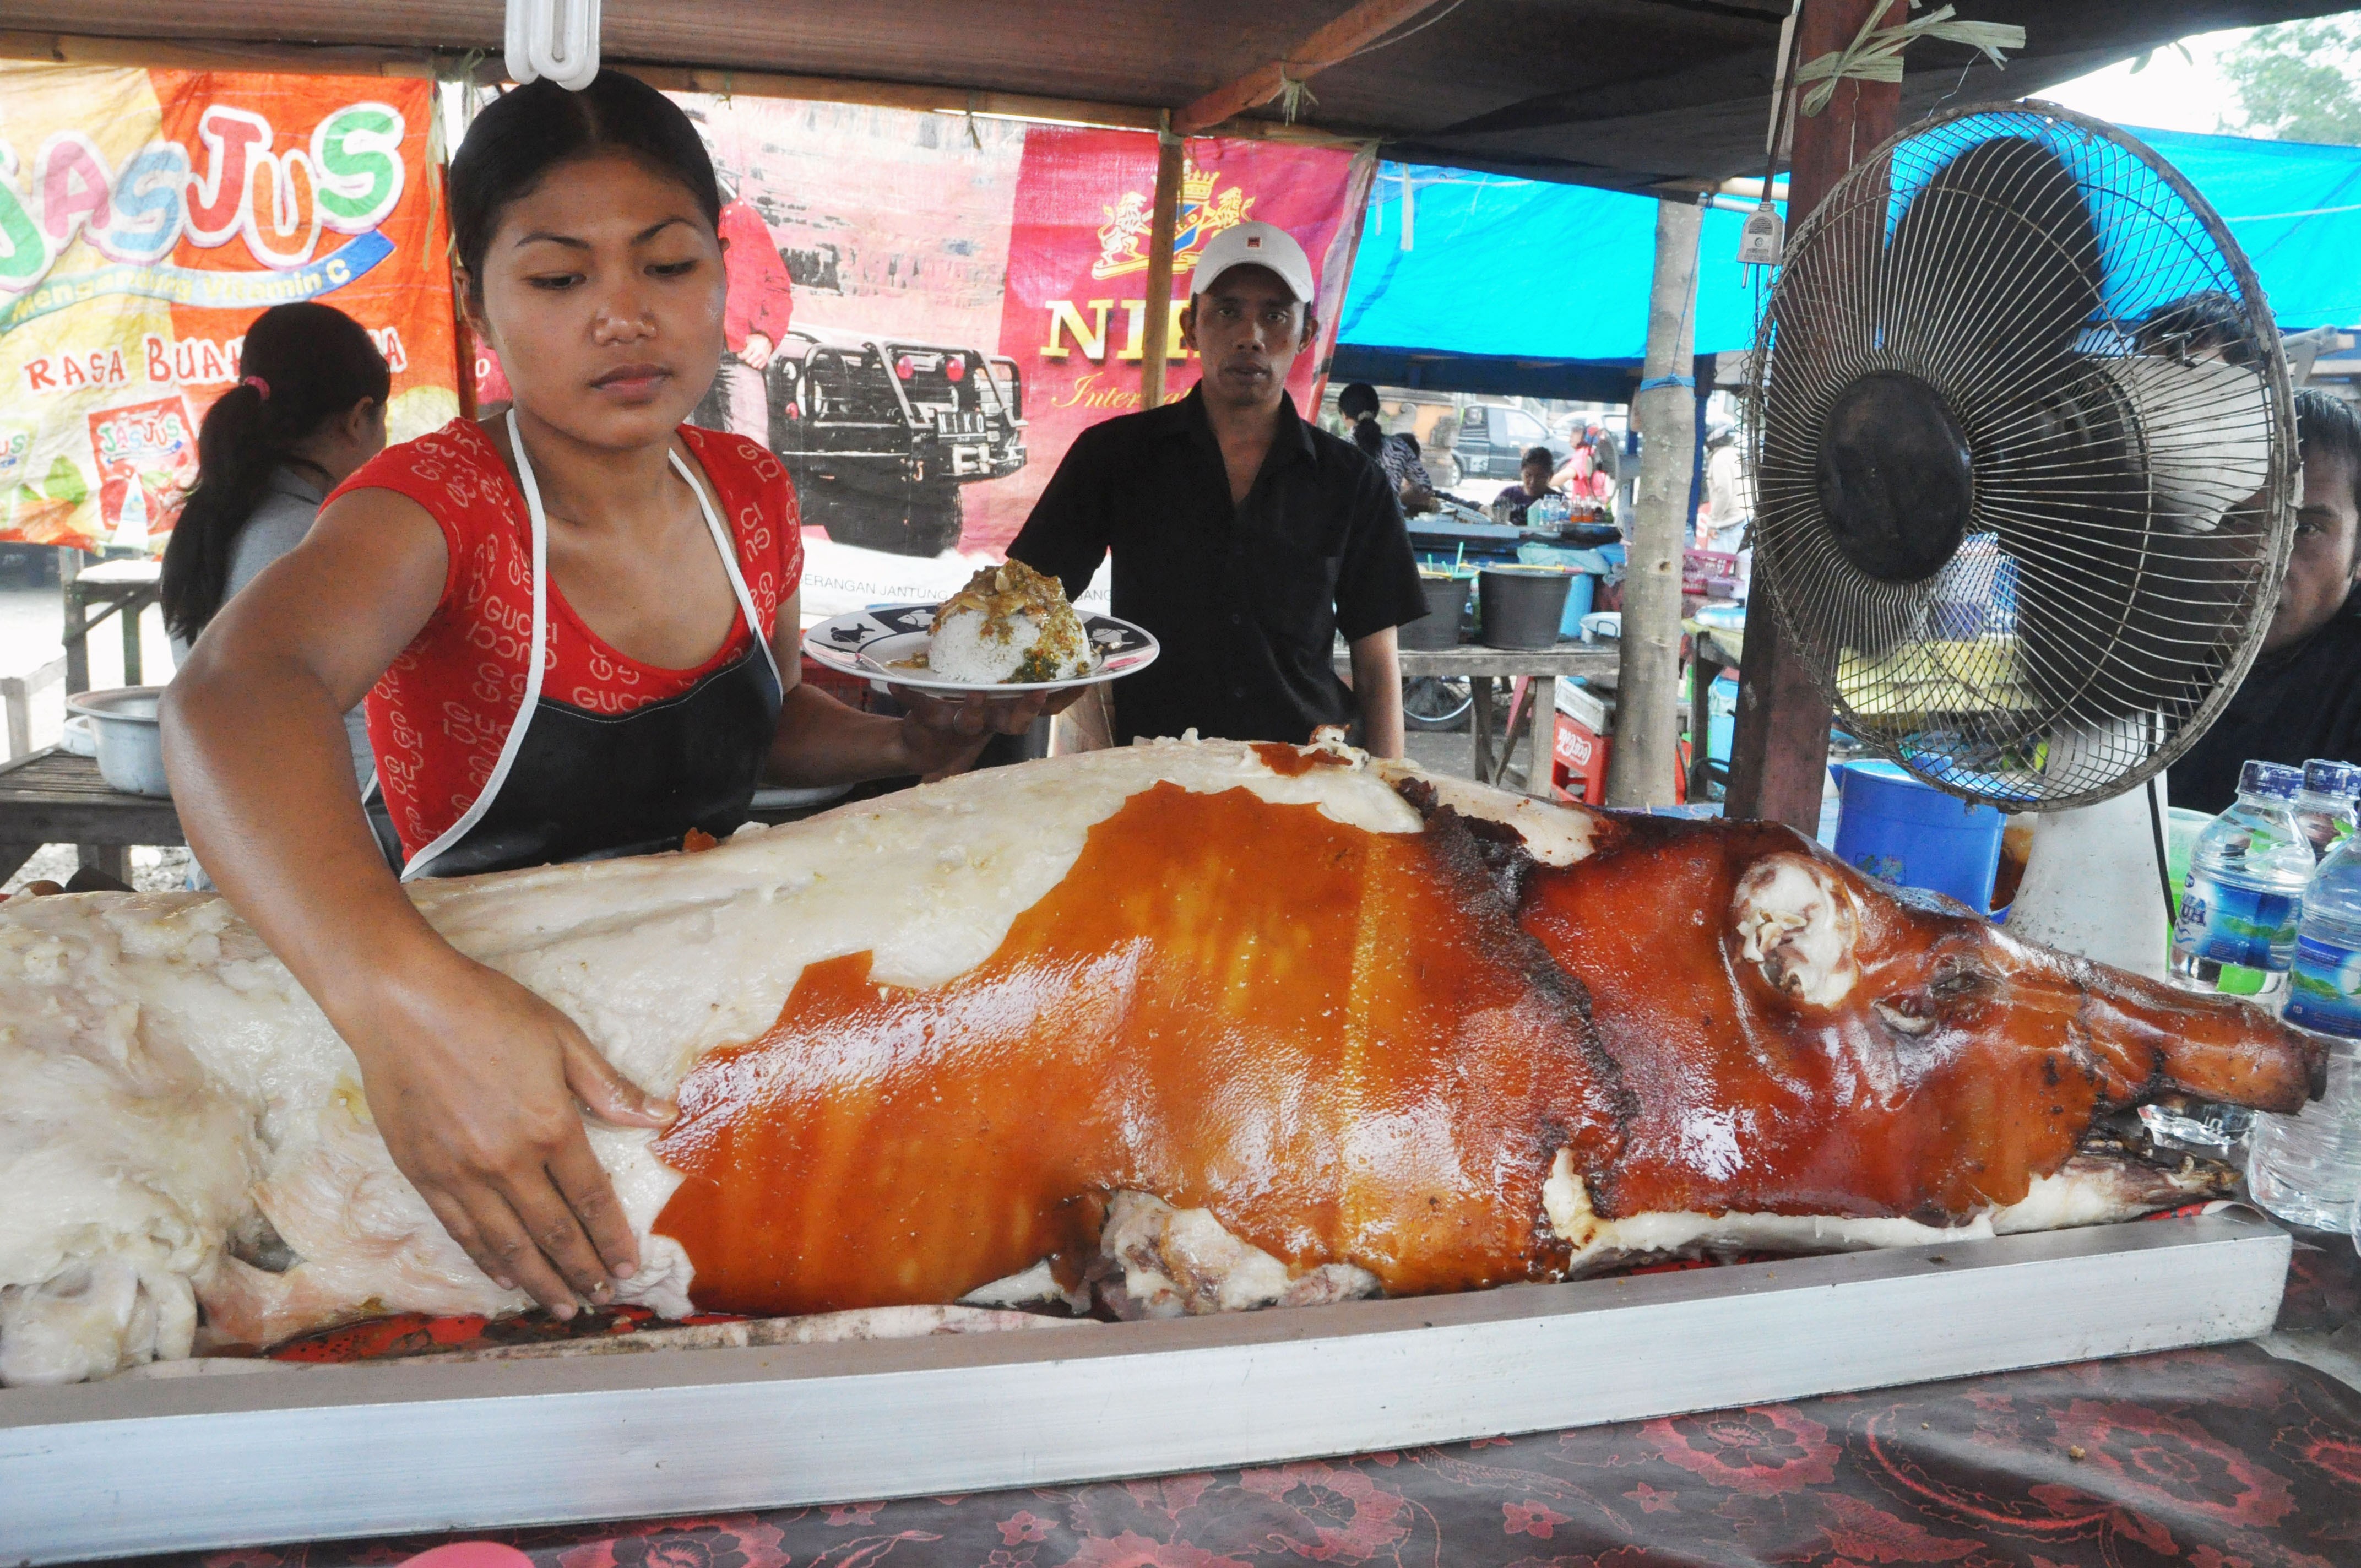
{"x":2294,"y":208}
{"x":1519,"y":287}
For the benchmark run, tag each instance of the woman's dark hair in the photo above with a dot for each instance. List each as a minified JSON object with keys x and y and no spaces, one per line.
{"x":523,"y":134}
{"x":1358,"y":402}
{"x":1541,"y":454}
{"x":314,"y":363}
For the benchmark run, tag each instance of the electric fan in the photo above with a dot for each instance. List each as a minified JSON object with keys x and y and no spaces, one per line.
{"x":2025,"y":456}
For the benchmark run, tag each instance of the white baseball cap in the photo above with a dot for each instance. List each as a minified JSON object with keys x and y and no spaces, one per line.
{"x":1255,"y":244}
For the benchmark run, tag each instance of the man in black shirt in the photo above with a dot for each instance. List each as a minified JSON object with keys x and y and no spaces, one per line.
{"x":1243,"y":537}
{"x":2302,"y":699}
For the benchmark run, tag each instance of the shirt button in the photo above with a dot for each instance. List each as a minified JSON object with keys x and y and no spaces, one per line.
{"x":1237,"y":691}
{"x":1236,"y":619}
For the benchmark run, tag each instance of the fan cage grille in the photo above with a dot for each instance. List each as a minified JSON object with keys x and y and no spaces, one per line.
{"x":2102,"y":341}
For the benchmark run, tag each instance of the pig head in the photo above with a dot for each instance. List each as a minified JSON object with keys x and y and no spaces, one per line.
{"x":1800,"y":1039}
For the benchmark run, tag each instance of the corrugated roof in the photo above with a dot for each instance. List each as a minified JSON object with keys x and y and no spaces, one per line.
{"x":1617,"y":93}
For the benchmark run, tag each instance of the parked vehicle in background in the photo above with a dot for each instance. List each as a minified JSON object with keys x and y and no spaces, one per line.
{"x":1493,"y":439}
{"x":879,"y":433}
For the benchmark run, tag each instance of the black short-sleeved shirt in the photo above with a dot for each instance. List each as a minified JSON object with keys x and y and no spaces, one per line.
{"x":1246,"y":599}
{"x":2301,"y":703}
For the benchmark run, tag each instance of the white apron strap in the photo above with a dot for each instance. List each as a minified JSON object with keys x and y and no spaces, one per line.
{"x":727,"y":543}
{"x":421,"y":861}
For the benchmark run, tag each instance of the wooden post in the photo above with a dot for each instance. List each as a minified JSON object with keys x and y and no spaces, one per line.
{"x":1642,"y":766}
{"x":1155,"y":332}
{"x":1779,"y":758}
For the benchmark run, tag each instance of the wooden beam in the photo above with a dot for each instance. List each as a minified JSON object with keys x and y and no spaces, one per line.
{"x":1358,"y":29}
{"x":164,"y":54}
{"x":310,"y":59}
{"x":1156,"y":333}
{"x":1779,"y":756}
{"x":1642,"y":765}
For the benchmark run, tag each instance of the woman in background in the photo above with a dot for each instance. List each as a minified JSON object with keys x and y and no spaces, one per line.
{"x":308,"y":411}
{"x":1397,"y":454}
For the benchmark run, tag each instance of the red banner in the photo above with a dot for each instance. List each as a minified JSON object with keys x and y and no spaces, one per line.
{"x":1075,"y":309}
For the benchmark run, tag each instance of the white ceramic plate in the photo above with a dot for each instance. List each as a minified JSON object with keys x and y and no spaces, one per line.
{"x":872,"y":643}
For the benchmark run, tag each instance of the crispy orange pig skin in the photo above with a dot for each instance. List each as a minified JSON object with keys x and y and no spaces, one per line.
{"x":1369,"y":1048}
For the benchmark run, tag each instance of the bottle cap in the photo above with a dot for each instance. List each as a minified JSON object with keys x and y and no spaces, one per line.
{"x":2274,"y":781}
{"x":2322,"y":776}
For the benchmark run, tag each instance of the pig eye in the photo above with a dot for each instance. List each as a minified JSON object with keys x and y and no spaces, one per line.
{"x":1961,"y":982}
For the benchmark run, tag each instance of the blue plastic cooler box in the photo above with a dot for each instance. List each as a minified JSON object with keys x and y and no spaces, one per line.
{"x":1912,"y":834}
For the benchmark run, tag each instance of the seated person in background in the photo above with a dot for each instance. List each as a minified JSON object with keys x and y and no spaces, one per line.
{"x":1398,"y":454}
{"x":1532,"y":484}
{"x":308,"y":411}
{"x":2302,"y":699}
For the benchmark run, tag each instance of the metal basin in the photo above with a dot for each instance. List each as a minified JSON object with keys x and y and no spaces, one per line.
{"x":131,"y":742}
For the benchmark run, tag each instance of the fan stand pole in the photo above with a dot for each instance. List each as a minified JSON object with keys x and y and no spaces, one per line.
{"x":1643,"y":765}
{"x":1778,"y":761}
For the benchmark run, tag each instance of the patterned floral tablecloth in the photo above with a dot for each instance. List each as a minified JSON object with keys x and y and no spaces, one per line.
{"x":2216,"y":1458}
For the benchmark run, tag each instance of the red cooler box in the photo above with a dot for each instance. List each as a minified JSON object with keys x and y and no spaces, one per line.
{"x":1585,"y":728}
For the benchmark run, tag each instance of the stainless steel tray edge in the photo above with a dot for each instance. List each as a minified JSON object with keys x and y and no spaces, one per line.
{"x":186,"y":1463}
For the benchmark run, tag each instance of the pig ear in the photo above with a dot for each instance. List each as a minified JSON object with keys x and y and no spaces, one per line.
{"x":1796,"y":922}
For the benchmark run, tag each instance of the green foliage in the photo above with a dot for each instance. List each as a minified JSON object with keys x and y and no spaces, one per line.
{"x":2297,"y":81}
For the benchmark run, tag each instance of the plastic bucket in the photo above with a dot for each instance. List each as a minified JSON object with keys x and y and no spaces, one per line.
{"x":1913,"y":835}
{"x":1447,"y":607}
{"x":1522,"y":605}
{"x":1720,"y":718}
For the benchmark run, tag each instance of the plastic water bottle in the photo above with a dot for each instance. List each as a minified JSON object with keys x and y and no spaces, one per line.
{"x":2236,"y":929}
{"x":2323,"y":808}
{"x":2306,"y":1168}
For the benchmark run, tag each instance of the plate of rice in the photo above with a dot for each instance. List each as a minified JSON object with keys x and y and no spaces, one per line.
{"x":1009,"y":630}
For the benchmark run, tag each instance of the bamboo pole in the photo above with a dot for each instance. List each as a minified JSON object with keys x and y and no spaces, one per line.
{"x":1155,"y":332}
{"x":1642,"y":766}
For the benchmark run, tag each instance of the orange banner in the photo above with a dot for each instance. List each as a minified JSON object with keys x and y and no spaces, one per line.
{"x":146,"y":217}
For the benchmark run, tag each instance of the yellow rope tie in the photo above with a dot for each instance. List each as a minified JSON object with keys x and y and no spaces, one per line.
{"x":1875,"y":52}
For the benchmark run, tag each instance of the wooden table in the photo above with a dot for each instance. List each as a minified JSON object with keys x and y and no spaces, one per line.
{"x":1536,"y":720}
{"x":121,"y":588}
{"x":56,"y":797}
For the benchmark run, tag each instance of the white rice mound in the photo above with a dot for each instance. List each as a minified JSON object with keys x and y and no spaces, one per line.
{"x":985,"y":634}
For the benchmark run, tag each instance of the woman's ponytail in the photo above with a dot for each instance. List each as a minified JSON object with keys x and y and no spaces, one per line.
{"x":301,"y":368}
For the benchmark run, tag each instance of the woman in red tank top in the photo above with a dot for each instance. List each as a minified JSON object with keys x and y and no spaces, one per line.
{"x":575,"y":628}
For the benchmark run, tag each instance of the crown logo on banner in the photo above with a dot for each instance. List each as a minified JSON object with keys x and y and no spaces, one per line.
{"x":1123,"y":240}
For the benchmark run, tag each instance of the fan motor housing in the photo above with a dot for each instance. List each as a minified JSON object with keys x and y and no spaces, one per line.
{"x":1896,"y":480}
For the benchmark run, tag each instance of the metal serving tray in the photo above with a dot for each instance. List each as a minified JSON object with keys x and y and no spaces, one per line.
{"x":180,"y":1464}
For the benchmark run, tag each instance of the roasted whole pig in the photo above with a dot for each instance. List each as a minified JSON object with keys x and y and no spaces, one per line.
{"x":1185,"y":1027}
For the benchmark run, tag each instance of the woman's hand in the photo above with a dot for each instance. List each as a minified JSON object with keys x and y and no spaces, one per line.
{"x":944,"y":735}
{"x":474,"y":1083}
